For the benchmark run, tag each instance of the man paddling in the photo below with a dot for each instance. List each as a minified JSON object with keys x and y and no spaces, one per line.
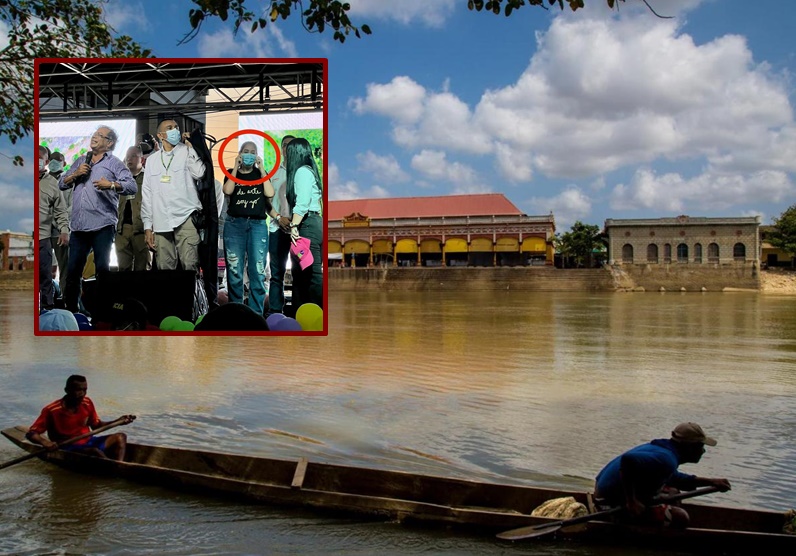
{"x":74,"y":415}
{"x":632,"y":479}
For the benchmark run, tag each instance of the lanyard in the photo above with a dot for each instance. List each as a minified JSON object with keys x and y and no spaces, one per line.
{"x":164,"y":162}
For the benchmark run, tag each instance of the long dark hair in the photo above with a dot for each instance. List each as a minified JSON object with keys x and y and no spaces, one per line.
{"x":298,"y":153}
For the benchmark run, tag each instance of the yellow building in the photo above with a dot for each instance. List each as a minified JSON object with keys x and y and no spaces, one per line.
{"x":453,"y":230}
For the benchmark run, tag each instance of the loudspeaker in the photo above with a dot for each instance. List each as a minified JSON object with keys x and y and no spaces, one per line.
{"x":165,"y":293}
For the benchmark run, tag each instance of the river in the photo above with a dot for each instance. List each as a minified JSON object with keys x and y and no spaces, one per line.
{"x":538,"y":389}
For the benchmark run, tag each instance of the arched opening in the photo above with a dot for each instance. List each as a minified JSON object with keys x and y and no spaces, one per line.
{"x":627,"y":254}
{"x":652,"y":253}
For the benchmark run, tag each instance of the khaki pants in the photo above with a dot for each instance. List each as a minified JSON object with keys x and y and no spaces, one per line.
{"x":131,"y":250}
{"x":182,"y":244}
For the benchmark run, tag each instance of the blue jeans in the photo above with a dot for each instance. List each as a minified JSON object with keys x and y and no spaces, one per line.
{"x":246,"y":242}
{"x":80,"y":245}
{"x":278,"y":251}
{"x":308,"y":283}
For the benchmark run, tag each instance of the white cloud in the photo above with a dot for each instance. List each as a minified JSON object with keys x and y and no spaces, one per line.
{"x":568,"y":206}
{"x":512,"y":165}
{"x":264,"y":43}
{"x":342,"y":190}
{"x":434,"y":165}
{"x":432,"y":14}
{"x":383,"y":168}
{"x":4,"y":29}
{"x":604,"y":92}
{"x":401,"y":99}
{"x":26,"y":225}
{"x":126,"y":15}
{"x":710,"y":190}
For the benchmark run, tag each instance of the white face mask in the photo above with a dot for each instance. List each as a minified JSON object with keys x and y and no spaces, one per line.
{"x":55,"y":166}
{"x":41,"y":165}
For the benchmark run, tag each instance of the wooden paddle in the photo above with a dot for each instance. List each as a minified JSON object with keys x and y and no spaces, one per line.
{"x":31,"y":455}
{"x":532,"y":531}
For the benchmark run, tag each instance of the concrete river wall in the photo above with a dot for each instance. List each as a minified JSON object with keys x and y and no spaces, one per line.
{"x":625,"y":278}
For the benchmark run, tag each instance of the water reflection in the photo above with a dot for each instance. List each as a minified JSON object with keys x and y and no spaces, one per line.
{"x":534,"y":388}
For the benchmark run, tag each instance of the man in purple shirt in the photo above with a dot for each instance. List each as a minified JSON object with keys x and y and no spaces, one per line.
{"x":98,"y":178}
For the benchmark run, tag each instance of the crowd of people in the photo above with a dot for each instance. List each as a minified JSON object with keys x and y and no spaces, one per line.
{"x":147,"y":208}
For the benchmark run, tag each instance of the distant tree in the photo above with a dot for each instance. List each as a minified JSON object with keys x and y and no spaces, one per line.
{"x":579,"y":244}
{"x":783,"y":236}
{"x":49,"y":29}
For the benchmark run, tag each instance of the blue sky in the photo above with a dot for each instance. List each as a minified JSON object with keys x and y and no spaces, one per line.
{"x":593,"y":114}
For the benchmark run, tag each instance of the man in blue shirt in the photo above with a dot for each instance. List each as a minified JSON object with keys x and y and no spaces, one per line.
{"x":634,"y":478}
{"x":98,"y":178}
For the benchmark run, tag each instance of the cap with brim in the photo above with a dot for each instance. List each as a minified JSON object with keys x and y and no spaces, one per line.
{"x":691,"y":433}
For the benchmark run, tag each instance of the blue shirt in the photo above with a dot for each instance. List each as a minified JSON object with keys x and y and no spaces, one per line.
{"x":653,"y":465}
{"x":93,"y":209}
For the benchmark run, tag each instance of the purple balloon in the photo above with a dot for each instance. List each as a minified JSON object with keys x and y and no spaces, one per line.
{"x":273,"y":319}
{"x":287,"y":325}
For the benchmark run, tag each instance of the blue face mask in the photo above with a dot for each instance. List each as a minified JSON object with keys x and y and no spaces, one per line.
{"x":55,"y":166}
{"x":173,"y":136}
{"x":248,"y":159}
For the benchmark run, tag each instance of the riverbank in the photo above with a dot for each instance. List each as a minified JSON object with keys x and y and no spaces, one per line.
{"x":773,"y":281}
{"x":778,"y":281}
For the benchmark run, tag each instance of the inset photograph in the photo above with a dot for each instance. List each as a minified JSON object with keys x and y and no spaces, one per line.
{"x":181,"y":196}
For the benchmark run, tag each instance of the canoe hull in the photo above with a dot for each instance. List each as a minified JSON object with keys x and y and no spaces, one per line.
{"x":381,"y":494}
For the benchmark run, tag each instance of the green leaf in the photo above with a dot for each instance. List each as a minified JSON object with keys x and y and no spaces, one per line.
{"x":366,"y":29}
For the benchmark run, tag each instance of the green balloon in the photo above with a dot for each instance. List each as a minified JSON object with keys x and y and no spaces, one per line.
{"x":184,"y":326}
{"x":199,"y":320}
{"x":309,"y":315}
{"x":170,"y":323}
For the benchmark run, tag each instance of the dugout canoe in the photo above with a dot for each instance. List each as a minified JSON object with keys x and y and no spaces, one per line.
{"x":473,"y":506}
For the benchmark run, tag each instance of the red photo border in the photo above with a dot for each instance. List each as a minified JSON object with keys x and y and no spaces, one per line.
{"x":325,"y":64}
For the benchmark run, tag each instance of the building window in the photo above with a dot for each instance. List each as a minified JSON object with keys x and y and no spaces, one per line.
{"x":652,"y":253}
{"x":713,"y":253}
{"x":667,"y":253}
{"x":682,"y":253}
{"x":627,"y":253}
{"x":698,"y":253}
{"x":739,"y":252}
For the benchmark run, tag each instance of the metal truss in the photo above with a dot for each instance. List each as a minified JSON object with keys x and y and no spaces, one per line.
{"x":96,"y":89}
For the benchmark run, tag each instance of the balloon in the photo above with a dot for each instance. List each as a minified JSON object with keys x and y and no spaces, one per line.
{"x":309,"y":315}
{"x":170,"y":323}
{"x":199,"y":319}
{"x":184,"y":326}
{"x":273,"y":319}
{"x":287,"y":325}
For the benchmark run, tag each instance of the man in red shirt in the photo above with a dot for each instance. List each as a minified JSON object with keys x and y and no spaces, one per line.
{"x":74,"y":415}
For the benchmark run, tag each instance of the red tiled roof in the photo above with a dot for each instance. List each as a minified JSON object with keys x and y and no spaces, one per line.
{"x":484,"y":204}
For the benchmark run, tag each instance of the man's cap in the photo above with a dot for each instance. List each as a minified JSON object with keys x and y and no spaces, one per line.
{"x":691,"y":433}
{"x":59,"y":320}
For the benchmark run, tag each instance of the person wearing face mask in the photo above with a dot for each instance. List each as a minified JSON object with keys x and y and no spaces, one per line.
{"x":246,"y":227}
{"x":98,"y":178}
{"x":61,"y":250}
{"x":169,"y":199}
{"x":132,"y":252}
{"x":52,"y":212}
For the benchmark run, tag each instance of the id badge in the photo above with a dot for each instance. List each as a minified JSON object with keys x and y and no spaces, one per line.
{"x":165,"y":179}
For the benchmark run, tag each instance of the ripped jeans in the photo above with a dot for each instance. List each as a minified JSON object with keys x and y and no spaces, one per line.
{"x":246,"y":246}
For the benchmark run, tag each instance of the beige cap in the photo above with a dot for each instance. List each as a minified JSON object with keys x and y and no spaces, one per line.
{"x":691,"y":433}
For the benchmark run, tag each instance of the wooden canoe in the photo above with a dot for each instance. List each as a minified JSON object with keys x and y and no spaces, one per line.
{"x":407,"y":497}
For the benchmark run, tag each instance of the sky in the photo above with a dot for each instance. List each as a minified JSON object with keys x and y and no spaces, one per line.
{"x":591,"y":115}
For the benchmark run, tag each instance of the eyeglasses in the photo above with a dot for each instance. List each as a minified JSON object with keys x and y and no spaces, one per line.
{"x":101,"y":136}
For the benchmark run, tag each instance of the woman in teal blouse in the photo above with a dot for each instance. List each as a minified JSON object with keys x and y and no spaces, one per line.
{"x":305,"y":196}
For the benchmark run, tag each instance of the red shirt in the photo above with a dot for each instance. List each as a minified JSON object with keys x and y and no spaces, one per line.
{"x":61,"y":424}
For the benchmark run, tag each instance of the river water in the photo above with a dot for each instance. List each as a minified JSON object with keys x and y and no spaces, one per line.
{"x":538,"y":389}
